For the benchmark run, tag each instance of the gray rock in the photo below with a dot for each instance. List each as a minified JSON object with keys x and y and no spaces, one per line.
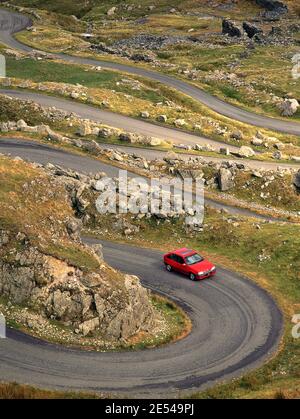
{"x":111,"y":11}
{"x":89,"y":326}
{"x":88,"y":301}
{"x":98,"y":249}
{"x":225,"y":179}
{"x":237,"y":135}
{"x":232,"y":29}
{"x":74,"y":228}
{"x":251,"y":29}
{"x":288,"y":107}
{"x":162,"y":118}
{"x":257,"y":141}
{"x":273,"y":5}
{"x":245,"y":151}
{"x":145,"y":115}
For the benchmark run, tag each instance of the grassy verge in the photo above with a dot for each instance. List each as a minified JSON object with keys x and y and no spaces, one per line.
{"x":178,"y":325}
{"x":14,"y":391}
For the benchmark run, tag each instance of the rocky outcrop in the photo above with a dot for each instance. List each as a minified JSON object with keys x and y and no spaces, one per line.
{"x":251,"y":29}
{"x":273,"y":5}
{"x":288,"y":107}
{"x":231,"y":28}
{"x":149,"y":42}
{"x":89,"y":302}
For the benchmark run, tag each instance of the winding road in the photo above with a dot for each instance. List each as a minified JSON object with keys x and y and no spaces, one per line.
{"x":11,"y":23}
{"x":236,"y":324}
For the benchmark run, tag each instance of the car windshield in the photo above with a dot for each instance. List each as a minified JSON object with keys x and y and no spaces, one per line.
{"x":191,"y":260}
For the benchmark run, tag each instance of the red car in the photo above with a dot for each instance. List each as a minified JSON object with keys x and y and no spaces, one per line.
{"x":189,"y":263}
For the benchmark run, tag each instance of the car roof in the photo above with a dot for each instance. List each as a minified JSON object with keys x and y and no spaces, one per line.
{"x":184,"y":252}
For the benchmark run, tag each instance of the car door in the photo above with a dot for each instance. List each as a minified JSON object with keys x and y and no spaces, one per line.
{"x":171,"y":260}
{"x":185,"y":268}
{"x":180,"y":264}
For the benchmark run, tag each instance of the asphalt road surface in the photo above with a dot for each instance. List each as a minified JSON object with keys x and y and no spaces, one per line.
{"x":11,"y":23}
{"x":236,"y":325}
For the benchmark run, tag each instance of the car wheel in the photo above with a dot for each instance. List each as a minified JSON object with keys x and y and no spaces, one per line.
{"x":192,"y":277}
{"x":169,"y":268}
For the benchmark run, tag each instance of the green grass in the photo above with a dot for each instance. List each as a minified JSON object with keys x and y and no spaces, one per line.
{"x":74,"y":255}
{"x":68,"y":7}
{"x":48,"y":71}
{"x":231,"y":92}
{"x":96,"y":9}
{"x":40,"y":71}
{"x":15,"y":391}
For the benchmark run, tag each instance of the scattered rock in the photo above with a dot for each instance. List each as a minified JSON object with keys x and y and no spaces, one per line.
{"x":225,"y":179}
{"x":145,"y":115}
{"x":179,"y":123}
{"x":237,"y":135}
{"x":288,"y":107}
{"x":231,"y":28}
{"x":251,"y":29}
{"x":245,"y":151}
{"x":162,"y":118}
{"x":111,"y":11}
{"x":257,"y":141}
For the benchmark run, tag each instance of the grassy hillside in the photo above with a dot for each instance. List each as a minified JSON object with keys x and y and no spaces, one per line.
{"x":94,"y":8}
{"x":31,"y":203}
{"x":229,"y":70}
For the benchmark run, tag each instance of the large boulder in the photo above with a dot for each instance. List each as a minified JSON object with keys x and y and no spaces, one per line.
{"x":245,"y":151}
{"x":288,"y":107}
{"x":84,"y":129}
{"x":74,"y":228}
{"x":251,"y":29}
{"x":225,"y":179}
{"x":231,"y":28}
{"x":92,"y":147}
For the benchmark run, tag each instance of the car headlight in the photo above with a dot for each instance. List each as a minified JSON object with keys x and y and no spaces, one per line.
{"x":200,"y":273}
{"x":213,"y":269}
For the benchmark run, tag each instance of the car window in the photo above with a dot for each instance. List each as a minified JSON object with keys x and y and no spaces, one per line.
{"x":191,"y":260}
{"x":180,"y":259}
